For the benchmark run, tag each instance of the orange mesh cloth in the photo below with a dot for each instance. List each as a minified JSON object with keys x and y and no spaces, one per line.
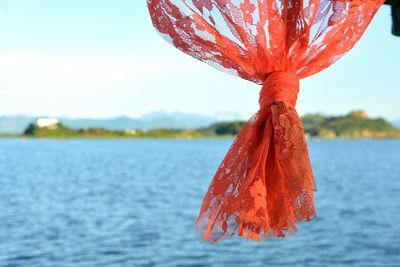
{"x":265,"y":183}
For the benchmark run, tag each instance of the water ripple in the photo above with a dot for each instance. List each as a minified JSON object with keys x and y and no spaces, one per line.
{"x":118,"y":203}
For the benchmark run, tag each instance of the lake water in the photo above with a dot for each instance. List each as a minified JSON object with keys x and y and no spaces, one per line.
{"x":130,"y":203}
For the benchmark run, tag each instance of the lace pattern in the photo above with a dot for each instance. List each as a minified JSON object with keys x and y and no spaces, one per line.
{"x":265,"y":183}
{"x":252,"y":38}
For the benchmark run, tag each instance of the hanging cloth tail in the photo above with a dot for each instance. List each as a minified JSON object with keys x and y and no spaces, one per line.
{"x":265,"y":183}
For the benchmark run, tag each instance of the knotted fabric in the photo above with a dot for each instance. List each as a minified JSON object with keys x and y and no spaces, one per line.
{"x":264,"y":185}
{"x":279,"y":86}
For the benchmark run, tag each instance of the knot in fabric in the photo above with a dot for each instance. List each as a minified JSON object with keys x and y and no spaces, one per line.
{"x":279,"y":86}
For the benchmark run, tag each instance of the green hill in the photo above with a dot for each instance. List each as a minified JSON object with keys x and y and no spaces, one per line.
{"x":356,"y":124}
{"x":62,"y":131}
{"x":223,"y":128}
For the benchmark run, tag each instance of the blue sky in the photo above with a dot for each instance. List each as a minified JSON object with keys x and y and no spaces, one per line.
{"x":98,"y":58}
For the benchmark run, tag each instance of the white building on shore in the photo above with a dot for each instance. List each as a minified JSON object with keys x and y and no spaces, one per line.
{"x":47,"y":122}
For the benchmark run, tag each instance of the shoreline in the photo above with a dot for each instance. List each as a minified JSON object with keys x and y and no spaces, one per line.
{"x":175,"y":138}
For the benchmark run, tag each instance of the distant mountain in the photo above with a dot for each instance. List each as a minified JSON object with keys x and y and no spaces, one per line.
{"x":175,"y":120}
{"x":355,"y":124}
{"x":14,"y":124}
{"x":396,"y":123}
{"x":112,"y":123}
{"x":153,"y":120}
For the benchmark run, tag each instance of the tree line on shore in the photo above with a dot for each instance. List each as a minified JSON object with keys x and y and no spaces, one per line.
{"x":356,"y":124}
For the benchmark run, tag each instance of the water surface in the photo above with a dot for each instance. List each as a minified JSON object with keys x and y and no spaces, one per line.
{"x":134,"y":203}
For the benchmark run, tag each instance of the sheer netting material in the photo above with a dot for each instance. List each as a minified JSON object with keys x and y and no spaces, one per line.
{"x":264,"y":185}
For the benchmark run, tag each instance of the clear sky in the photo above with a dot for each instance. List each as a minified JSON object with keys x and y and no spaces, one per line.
{"x":98,"y":58}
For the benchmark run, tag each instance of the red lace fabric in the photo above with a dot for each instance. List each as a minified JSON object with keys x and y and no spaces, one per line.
{"x":265,"y":183}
